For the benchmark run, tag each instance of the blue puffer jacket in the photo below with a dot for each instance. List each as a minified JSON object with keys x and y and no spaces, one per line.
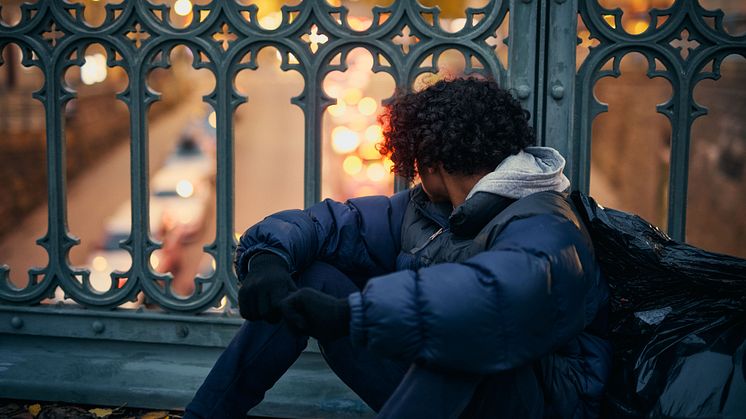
{"x":494,"y":285}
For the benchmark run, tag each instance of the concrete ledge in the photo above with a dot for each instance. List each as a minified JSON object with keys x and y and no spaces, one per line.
{"x":159,"y":376}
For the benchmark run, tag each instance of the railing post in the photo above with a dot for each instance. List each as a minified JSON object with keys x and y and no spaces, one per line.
{"x":558,"y":90}
{"x":522,"y":55}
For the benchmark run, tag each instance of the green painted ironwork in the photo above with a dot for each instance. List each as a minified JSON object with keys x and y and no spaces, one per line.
{"x":53,"y":36}
{"x":541,"y":73}
{"x":668,"y":39}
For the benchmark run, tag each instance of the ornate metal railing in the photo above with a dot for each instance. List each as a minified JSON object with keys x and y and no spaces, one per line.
{"x":685,"y":38}
{"x":225,"y":38}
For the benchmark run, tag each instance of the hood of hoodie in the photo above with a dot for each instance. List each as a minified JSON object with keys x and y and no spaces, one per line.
{"x":534,"y":169}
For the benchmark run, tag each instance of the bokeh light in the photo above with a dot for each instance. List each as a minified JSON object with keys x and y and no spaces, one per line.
{"x":339,"y":109}
{"x":374,"y":133}
{"x":94,"y":69}
{"x":184,"y":188}
{"x":155,"y":260}
{"x":99,"y":263}
{"x":367,"y":106}
{"x":212,"y":119}
{"x":183,"y":7}
{"x":344,"y":140}
{"x":368,"y":151}
{"x":375,"y":172}
{"x":353,"y":95}
{"x":352,"y":165}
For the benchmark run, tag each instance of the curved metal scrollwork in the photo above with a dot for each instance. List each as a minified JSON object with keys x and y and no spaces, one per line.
{"x":139,"y":36}
{"x":684,"y":38}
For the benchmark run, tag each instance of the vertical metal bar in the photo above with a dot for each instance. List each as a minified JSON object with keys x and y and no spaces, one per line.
{"x":225,"y":241}
{"x":586,"y":110}
{"x":402,"y":84}
{"x":679,"y":169}
{"x":57,"y":241}
{"x":523,"y":53}
{"x":139,"y":236}
{"x":402,"y":75}
{"x":139,"y":242}
{"x":313,"y":113}
{"x":559,"y":90}
{"x":400,"y":184}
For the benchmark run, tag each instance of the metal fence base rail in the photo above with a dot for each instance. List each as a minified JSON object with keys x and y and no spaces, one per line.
{"x":80,"y":356}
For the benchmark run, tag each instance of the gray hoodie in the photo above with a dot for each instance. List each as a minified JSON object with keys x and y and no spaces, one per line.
{"x":535,"y":169}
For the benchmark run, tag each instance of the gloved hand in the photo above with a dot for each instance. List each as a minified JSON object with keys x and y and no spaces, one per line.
{"x":316,"y":314}
{"x":266,"y":283}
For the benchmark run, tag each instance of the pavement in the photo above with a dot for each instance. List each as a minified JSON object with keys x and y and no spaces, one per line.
{"x":22,"y":409}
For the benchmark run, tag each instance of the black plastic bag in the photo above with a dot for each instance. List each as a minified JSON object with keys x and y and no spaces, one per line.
{"x":677,"y":320}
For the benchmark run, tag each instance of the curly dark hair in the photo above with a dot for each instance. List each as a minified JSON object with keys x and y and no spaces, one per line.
{"x":469,"y":125}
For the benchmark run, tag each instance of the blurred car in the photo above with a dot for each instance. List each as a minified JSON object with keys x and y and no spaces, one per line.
{"x":183,"y":198}
{"x":192,"y":157}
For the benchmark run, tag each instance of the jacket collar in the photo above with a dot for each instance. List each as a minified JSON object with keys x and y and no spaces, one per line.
{"x":468,"y":218}
{"x":471,"y":216}
{"x":436,"y":212}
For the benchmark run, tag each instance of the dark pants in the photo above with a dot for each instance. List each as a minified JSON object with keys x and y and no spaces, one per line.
{"x":260,"y":353}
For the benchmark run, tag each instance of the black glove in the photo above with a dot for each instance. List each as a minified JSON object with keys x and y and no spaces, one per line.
{"x":267,"y":282}
{"x":316,"y":314}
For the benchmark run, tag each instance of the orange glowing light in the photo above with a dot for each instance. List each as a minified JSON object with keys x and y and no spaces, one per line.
{"x":359,"y":123}
{"x":271,"y":20}
{"x":366,"y":190}
{"x":339,"y":109}
{"x":639,"y":27}
{"x":367,"y":106}
{"x":352,"y":96}
{"x":368,"y":151}
{"x":610,"y":20}
{"x":374,"y":133}
{"x":375,"y":172}
{"x":352,"y":165}
{"x":358,"y":24}
{"x":388,"y":164}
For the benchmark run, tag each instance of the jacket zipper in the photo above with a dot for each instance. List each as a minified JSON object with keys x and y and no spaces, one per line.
{"x":430,"y":239}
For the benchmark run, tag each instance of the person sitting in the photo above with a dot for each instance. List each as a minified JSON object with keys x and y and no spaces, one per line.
{"x":474,"y":294}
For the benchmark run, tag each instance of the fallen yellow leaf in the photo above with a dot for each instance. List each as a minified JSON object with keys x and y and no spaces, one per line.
{"x":34,"y":409}
{"x":155,"y":415}
{"x":101,"y":413}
